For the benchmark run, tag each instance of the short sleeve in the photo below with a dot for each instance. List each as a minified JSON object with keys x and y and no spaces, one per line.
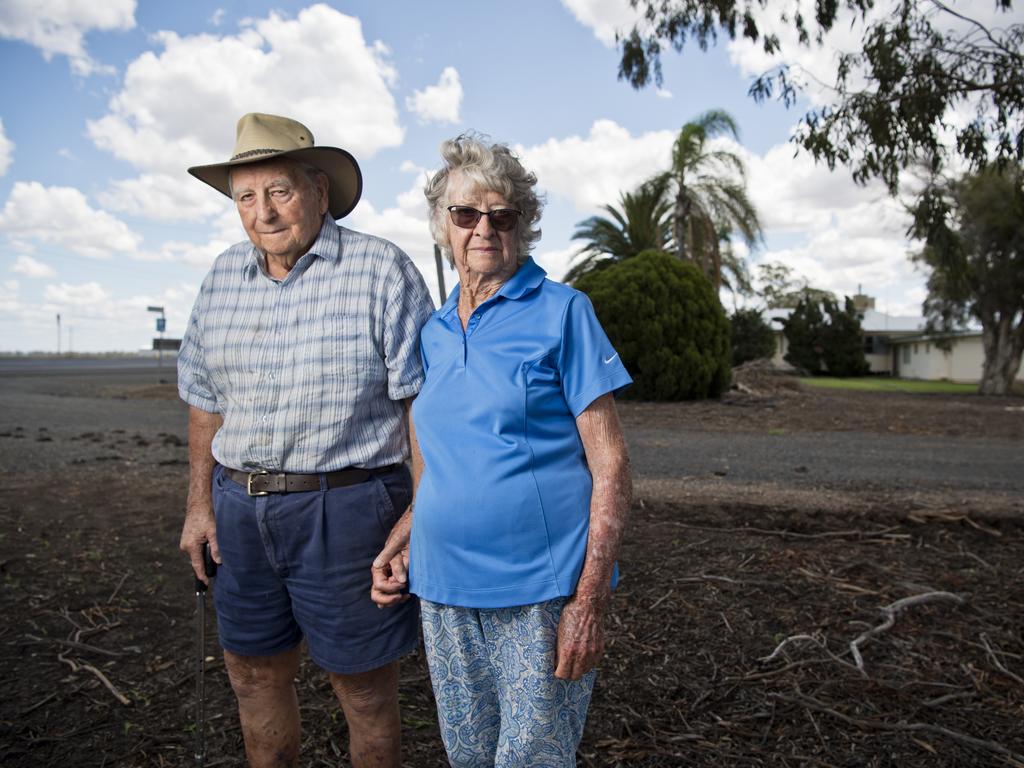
{"x":193,"y":378}
{"x":408,"y":307}
{"x":588,"y":364}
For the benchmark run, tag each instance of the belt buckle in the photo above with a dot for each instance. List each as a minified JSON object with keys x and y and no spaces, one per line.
{"x":248,"y":484}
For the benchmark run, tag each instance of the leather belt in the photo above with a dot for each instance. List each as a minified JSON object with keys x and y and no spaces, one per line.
{"x":264,"y":483}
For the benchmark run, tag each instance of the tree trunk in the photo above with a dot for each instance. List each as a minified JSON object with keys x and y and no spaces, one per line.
{"x":1003,"y":345}
{"x":680,"y":217}
{"x":714,"y":267}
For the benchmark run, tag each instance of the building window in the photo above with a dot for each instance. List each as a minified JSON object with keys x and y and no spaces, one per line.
{"x":915,"y":349}
{"x":906,"y":354}
{"x":869,"y":345}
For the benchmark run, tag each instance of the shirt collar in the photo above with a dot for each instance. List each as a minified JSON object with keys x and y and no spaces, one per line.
{"x":327,"y":246}
{"x":526,"y":279}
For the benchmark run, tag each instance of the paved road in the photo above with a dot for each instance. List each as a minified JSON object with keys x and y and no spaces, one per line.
{"x":62,"y":366}
{"x":67,"y":397}
{"x":847,"y":460}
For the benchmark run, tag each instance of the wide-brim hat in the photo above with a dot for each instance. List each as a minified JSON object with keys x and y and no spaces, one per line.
{"x":261,"y":137}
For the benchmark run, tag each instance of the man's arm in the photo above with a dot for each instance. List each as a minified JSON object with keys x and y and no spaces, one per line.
{"x":199,"y":525}
{"x":390,"y":569}
{"x":581,"y":630}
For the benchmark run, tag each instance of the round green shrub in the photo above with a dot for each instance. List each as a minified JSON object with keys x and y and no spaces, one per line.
{"x":664,"y":319}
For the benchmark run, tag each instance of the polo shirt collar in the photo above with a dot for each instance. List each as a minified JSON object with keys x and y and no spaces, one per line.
{"x":526,"y":279}
{"x":327,"y":246}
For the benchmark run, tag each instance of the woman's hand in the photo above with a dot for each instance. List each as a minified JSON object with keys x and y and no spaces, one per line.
{"x":580,"y":643}
{"x":391,"y":567}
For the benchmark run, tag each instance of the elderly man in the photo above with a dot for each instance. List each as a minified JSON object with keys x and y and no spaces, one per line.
{"x":299,"y":363}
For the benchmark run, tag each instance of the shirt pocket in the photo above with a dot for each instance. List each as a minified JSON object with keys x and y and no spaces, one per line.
{"x":346,"y":347}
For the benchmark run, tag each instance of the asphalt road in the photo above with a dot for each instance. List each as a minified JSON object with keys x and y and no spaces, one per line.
{"x":843,"y":460}
{"x":61,"y":399}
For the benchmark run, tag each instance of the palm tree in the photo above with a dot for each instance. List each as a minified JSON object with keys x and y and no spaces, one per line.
{"x":709,"y":196}
{"x":641,"y":222}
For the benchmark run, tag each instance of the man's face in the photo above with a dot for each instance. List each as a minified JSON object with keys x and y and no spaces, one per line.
{"x":280,"y":206}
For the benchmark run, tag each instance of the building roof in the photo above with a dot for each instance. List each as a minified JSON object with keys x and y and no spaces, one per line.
{"x":872,"y":322}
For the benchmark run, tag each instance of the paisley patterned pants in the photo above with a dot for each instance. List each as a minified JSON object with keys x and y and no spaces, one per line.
{"x":498,"y":701}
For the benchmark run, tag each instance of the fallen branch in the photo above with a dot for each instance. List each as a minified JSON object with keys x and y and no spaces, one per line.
{"x":816,"y":639}
{"x":117,"y":589}
{"x":75,"y":666}
{"x":962,"y":738}
{"x":72,"y":644}
{"x":998,"y":664}
{"x":853,"y":534}
{"x":890,"y":612}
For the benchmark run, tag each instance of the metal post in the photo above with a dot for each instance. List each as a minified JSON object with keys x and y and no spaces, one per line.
{"x":440,"y":274}
{"x":58,"y":334}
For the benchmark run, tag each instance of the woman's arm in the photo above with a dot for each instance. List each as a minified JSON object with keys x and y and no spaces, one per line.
{"x":581,"y":631}
{"x":391,"y":566}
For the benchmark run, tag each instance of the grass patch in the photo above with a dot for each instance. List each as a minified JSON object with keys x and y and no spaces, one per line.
{"x":878,"y":384}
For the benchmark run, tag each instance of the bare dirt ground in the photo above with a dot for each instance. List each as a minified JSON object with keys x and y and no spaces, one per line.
{"x":783,"y":623}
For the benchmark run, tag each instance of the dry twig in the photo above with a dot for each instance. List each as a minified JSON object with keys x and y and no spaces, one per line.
{"x":890,"y":612}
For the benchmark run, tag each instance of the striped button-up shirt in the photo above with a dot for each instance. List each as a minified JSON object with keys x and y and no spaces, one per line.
{"x":308,"y":372}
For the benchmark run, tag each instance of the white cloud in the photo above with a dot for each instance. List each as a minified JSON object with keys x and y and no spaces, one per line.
{"x":828,"y":229}
{"x":663,"y":93}
{"x":438,"y":103}
{"x":179,"y":106}
{"x":604,"y":17}
{"x":62,"y":216}
{"x":6,"y":150}
{"x":29,"y":267}
{"x":217,"y":17}
{"x":555,"y":263}
{"x":405,"y":224}
{"x":81,"y":295}
{"x":164,"y":197}
{"x":58,"y":27}
{"x":846,"y":235}
{"x":592,"y":171}
{"x":795,"y":194}
{"x":89,"y":310}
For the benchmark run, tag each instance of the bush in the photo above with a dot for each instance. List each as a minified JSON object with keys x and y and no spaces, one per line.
{"x":752,"y":337}
{"x":666,"y":322}
{"x":832,"y":344}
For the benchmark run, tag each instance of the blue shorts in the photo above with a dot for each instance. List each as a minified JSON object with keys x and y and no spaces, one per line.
{"x":298,"y":564}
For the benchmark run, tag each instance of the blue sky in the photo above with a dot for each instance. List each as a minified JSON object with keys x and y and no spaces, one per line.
{"x":103,"y":108}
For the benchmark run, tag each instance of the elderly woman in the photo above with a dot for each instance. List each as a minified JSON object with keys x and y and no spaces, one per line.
{"x":525,"y":483}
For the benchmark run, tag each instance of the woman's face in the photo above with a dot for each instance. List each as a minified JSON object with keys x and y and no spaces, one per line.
{"x":483,"y":251}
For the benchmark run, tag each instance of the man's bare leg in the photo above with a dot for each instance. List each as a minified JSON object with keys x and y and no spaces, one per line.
{"x":267,"y":706}
{"x":370,"y":702}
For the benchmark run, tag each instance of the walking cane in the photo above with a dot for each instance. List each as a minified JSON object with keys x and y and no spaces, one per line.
{"x":210,"y":567}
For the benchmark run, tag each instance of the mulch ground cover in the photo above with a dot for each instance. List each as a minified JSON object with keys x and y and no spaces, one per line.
{"x":741,"y":636}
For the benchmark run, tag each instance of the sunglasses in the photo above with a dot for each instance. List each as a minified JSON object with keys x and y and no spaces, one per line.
{"x":502,"y":219}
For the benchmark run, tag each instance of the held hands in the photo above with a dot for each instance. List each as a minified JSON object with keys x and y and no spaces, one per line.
{"x":199,"y":528}
{"x":580,"y":643}
{"x":391,"y":567}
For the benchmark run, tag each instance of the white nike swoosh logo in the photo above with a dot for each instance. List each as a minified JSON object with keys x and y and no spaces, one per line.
{"x":611,"y":358}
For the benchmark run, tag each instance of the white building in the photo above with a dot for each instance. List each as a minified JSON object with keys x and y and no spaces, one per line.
{"x":919,"y":357}
{"x":898,"y":346}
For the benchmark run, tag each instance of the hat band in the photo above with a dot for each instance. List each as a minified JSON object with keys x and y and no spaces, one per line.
{"x":251,"y":152}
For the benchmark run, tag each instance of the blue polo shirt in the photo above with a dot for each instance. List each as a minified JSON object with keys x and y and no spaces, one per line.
{"x":503,"y":506}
